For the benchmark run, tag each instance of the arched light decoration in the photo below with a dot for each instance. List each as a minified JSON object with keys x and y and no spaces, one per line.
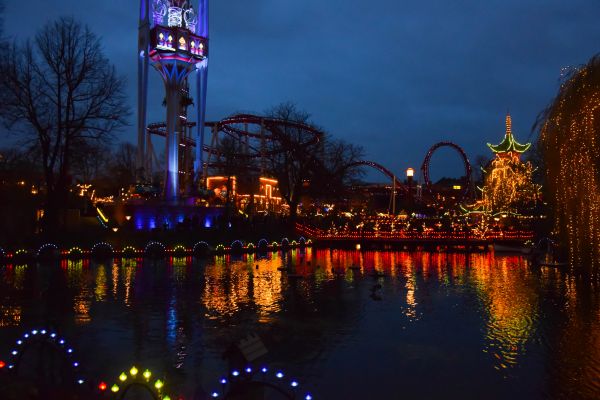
{"x":180,"y":248}
{"x":263,"y":372}
{"x":43,"y":335}
{"x":102,"y":244}
{"x":144,"y":379}
{"x":151,"y":244}
{"x":129,"y":249}
{"x":76,"y":251}
{"x":43,"y":247}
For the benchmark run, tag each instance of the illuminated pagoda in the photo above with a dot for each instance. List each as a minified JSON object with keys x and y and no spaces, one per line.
{"x":508,"y":182}
{"x":509,"y":147}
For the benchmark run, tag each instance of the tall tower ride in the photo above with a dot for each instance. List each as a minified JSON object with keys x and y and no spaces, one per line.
{"x":176,"y":50}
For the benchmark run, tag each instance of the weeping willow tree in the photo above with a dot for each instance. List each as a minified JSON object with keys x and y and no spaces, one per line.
{"x":570,"y":143}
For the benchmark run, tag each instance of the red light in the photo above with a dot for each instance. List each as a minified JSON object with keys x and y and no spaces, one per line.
{"x":2,"y":364}
{"x":102,"y":386}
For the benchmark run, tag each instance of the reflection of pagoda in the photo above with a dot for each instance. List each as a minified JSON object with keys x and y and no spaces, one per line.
{"x":508,"y":185}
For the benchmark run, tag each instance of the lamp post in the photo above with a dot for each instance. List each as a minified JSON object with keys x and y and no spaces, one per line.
{"x":410,"y":173}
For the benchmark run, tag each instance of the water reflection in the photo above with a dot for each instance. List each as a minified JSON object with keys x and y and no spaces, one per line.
{"x":79,"y":282}
{"x":101,"y":283}
{"x":327,"y":313}
{"x":504,"y":286}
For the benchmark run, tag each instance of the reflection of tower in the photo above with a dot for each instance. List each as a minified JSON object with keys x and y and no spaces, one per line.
{"x":175,"y":50}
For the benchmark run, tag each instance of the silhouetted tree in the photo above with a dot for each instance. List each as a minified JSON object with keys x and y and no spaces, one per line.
{"x":61,"y":92}
{"x":90,"y":162}
{"x":122,"y":165}
{"x":292,"y":160}
{"x":481,"y":162}
{"x":333,"y":172}
{"x":230,"y":164}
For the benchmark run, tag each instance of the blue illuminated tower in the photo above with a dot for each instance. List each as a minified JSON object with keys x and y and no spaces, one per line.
{"x":175,"y":49}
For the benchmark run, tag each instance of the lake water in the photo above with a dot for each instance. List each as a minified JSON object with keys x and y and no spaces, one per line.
{"x":350,"y":325}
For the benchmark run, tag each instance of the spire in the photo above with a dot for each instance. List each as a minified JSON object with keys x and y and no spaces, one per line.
{"x":508,"y":124}
{"x":509,"y":143}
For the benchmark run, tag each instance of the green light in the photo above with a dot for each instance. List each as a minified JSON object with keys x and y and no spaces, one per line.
{"x":114,"y":388}
{"x":147,"y":374}
{"x":133,"y":371}
{"x":159,"y":384}
{"x":123,"y":377}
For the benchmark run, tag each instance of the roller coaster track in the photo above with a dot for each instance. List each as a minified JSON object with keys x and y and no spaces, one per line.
{"x":425,"y":167}
{"x":382,"y":169}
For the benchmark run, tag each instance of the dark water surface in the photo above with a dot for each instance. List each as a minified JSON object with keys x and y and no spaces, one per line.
{"x":441,"y":326}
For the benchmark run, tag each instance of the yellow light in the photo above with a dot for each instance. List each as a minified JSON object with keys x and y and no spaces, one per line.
{"x":158,"y":384}
{"x":410,"y":172}
{"x":133,"y":371}
{"x":101,"y":214}
{"x":123,"y":377}
{"x":147,"y":374}
{"x":358,"y":246}
{"x":456,"y":187}
{"x":114,"y":388}
{"x":166,"y":398}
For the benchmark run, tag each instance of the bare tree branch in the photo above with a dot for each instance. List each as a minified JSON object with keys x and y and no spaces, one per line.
{"x":62,"y":93}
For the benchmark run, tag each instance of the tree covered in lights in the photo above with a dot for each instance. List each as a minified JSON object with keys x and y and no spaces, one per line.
{"x":508,"y":185}
{"x":570,"y":143}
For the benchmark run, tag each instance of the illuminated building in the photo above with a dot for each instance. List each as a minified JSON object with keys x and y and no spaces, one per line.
{"x":265,"y":198}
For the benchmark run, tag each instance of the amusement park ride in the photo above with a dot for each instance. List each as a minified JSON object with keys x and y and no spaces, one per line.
{"x":173,"y":39}
{"x":175,"y":42}
{"x":176,"y":50}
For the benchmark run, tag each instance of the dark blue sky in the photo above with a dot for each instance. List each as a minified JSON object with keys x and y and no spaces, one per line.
{"x":393,"y":76}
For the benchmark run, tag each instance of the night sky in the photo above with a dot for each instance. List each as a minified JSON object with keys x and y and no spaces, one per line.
{"x":393,"y":76}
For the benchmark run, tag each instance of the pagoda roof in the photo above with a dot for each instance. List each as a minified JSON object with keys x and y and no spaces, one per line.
{"x":509,"y":142}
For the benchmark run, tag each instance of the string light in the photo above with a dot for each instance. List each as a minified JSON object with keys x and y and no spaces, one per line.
{"x":570,"y":143}
{"x":263,"y":377}
{"x":508,"y":182}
